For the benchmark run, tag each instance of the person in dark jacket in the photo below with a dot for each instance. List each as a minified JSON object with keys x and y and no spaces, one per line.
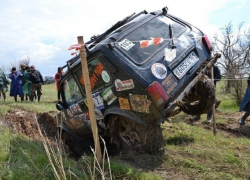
{"x":217,"y":77}
{"x":245,"y":104}
{"x":16,"y":84}
{"x":36,"y":80}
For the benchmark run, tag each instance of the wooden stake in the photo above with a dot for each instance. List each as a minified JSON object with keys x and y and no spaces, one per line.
{"x":213,"y":110}
{"x":88,"y":91}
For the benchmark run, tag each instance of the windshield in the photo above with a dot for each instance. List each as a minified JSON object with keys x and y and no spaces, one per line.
{"x":155,"y":28}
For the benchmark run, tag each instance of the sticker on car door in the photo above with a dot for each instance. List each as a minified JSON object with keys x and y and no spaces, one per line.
{"x":126,"y":44}
{"x":183,"y":67}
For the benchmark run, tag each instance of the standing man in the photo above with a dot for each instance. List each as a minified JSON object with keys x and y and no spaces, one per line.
{"x":3,"y":85}
{"x":245,"y":104}
{"x":27,"y":85}
{"x":36,"y":80}
{"x":23,"y":68}
{"x":58,"y":77}
{"x":16,"y":84}
{"x":23,"y":71}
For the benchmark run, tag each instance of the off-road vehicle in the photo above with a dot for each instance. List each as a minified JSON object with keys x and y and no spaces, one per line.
{"x":143,"y":70}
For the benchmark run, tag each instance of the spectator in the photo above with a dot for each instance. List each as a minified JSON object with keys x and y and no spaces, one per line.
{"x":27,"y":84}
{"x":36,"y":83}
{"x":3,"y":85}
{"x":23,"y":71}
{"x":23,"y":68}
{"x":16,"y":84}
{"x":245,"y":104}
{"x":217,"y":77}
{"x":58,"y":77}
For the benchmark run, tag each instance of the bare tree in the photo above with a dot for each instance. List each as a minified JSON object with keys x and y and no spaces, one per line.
{"x":17,"y":64}
{"x":235,"y":61}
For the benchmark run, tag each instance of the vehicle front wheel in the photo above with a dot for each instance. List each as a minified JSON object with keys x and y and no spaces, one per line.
{"x":130,"y":136}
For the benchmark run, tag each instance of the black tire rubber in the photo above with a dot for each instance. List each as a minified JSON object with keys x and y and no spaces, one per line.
{"x":76,"y":146}
{"x":200,"y":99}
{"x":131,"y":137}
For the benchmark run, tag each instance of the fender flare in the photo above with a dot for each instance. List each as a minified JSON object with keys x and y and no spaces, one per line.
{"x":125,"y":113}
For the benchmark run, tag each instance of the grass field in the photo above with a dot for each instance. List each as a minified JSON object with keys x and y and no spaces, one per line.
{"x":190,"y":152}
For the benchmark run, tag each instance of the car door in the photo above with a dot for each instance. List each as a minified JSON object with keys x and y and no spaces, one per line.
{"x":74,"y":116}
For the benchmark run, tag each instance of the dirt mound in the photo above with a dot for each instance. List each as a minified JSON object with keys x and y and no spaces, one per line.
{"x":24,"y":122}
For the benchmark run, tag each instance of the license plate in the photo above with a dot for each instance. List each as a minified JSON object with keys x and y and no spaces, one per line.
{"x":183,"y":68}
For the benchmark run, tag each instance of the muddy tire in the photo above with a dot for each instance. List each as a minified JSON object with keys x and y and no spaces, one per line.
{"x":200,"y":99}
{"x":131,"y":137}
{"x":76,"y":146}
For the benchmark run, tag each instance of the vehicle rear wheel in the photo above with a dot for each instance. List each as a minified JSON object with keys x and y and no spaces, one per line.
{"x":130,"y":136}
{"x":200,"y":99}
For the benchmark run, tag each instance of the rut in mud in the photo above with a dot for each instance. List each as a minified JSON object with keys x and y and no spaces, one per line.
{"x":24,"y":122}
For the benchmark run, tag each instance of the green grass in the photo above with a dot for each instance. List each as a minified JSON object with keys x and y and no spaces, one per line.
{"x":209,"y":156}
{"x":190,"y":152}
{"x":23,"y":158}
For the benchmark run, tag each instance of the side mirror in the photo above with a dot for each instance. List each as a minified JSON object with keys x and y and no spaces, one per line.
{"x":59,"y":106}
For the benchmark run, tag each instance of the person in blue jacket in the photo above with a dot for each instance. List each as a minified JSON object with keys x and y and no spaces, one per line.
{"x":16,"y":84}
{"x":245,"y":104}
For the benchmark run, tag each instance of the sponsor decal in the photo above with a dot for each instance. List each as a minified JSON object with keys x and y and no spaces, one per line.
{"x":126,"y":44}
{"x":98,"y":101}
{"x":169,"y":54}
{"x":105,"y":76}
{"x":86,"y":102}
{"x":139,"y":103}
{"x":124,"y":85}
{"x":159,"y":70}
{"x":69,"y":113}
{"x":78,"y":108}
{"x":169,"y":83}
{"x":87,"y":115}
{"x":94,"y":75}
{"x":124,"y":103}
{"x":108,"y":96}
{"x":74,"y":108}
{"x":82,"y":117}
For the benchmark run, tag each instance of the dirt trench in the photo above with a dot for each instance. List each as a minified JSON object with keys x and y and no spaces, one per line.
{"x":24,"y":122}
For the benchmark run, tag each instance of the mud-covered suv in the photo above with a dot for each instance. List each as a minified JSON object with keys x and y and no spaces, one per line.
{"x":142,"y":70}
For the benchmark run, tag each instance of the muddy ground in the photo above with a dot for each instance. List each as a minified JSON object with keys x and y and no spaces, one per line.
{"x":24,"y":122}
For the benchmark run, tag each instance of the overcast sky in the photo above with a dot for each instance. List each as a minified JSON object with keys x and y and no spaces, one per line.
{"x":41,"y":29}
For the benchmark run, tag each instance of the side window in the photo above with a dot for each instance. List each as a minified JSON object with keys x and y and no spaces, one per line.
{"x":99,"y":76}
{"x":72,"y":91}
